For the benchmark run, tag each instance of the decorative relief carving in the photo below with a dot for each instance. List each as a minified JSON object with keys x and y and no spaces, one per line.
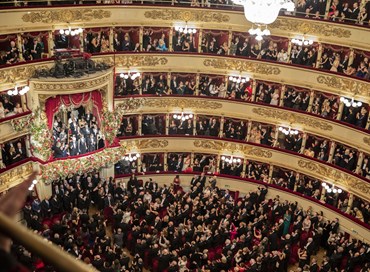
{"x":319,"y":29}
{"x":138,"y":145}
{"x":291,"y":117}
{"x":17,"y":173}
{"x":187,"y":16}
{"x":234,"y":147}
{"x":65,"y":15}
{"x":242,"y":65}
{"x":344,"y":179}
{"x":367,"y":140}
{"x":134,"y":61}
{"x":182,"y":103}
{"x":348,"y":85}
{"x":58,"y":86}
{"x":14,"y":74}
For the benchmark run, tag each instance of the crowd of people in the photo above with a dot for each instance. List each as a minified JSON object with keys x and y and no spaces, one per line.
{"x":323,"y":104}
{"x":10,"y":105}
{"x":76,"y":133}
{"x":173,"y":228}
{"x":13,"y":151}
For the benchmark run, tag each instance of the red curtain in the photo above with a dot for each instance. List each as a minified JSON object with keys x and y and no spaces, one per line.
{"x":53,"y":104}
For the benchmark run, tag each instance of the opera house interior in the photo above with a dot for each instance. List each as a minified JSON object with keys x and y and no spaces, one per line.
{"x":185,"y":136}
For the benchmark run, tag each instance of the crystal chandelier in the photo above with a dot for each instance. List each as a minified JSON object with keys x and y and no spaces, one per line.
{"x":131,"y":157}
{"x":262,"y":13}
{"x":129,"y":75}
{"x":239,"y":79}
{"x":185,"y":29}
{"x":70,"y":31}
{"x":331,"y":189}
{"x":231,"y":159}
{"x":23,"y":91}
{"x":183,"y":116}
{"x":288,"y":131}
{"x":302,"y":41}
{"x":350,"y":103}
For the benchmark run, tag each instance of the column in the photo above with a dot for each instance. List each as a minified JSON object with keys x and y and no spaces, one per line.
{"x":331,"y":151}
{"x":28,"y":145}
{"x":319,"y":53}
{"x":195,"y":116}
{"x":226,"y":86}
{"x":304,"y":140}
{"x":229,"y":41}
{"x":2,"y":165}
{"x":107,"y":171}
{"x":140,"y":120}
{"x":170,"y":47}
{"x":276,"y":136}
{"x":282,"y":93}
{"x":165,"y":165}
{"x":368,"y":123}
{"x":140,"y":85}
{"x":138,"y":165}
{"x":81,"y":41}
{"x":289,"y":49}
{"x":351,"y":56}
{"x":192,"y":159}
{"x":222,"y":123}
{"x":271,"y":172}
{"x":197,"y":80}
{"x":167,"y":123}
{"x":111,"y":40}
{"x":322,"y":196}
{"x":340,"y":111}
{"x":169,"y":76}
{"x":244,"y":167}
{"x":310,"y":102}
{"x":200,"y":40}
{"x":23,"y":103}
{"x":359,"y":163}
{"x":141,"y":33}
{"x":328,"y":3}
{"x":218,"y":163}
{"x":50,"y":44}
{"x":249,"y":128}
{"x":254,"y":89}
{"x":350,"y":203}
{"x":19,"y":46}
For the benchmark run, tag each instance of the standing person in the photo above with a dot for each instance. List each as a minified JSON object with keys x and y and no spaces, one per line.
{"x":287,"y":219}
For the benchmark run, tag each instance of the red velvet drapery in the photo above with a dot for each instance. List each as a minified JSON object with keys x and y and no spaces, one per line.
{"x":53,"y":104}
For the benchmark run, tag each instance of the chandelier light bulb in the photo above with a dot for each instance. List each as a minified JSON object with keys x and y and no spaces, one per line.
{"x":67,"y":32}
{"x":323,"y":184}
{"x":340,"y":191}
{"x":329,"y":190}
{"x":10,"y":92}
{"x":73,"y":33}
{"x":266,"y":32}
{"x":335,"y":191}
{"x":194,"y":31}
{"x":259,"y":38}
{"x":223,"y":158}
{"x":138,"y":155}
{"x":34,"y":181}
{"x":61,"y":31}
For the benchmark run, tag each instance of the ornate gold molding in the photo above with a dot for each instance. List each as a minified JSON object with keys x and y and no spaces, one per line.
{"x":314,"y":28}
{"x":182,"y":103}
{"x":134,"y":61}
{"x":17,"y":173}
{"x":186,"y":15}
{"x":242,"y":65}
{"x":71,"y":86}
{"x":65,"y":15}
{"x":233,"y":147}
{"x":283,"y":115}
{"x":347,"y":85}
{"x":138,"y":145}
{"x":367,"y":140}
{"x":341,"y":178}
{"x":19,"y":73}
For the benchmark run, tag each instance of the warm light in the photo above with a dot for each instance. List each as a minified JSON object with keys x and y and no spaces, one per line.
{"x":350,"y":103}
{"x":61,"y":31}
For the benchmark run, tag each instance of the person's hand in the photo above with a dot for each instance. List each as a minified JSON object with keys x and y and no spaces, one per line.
{"x":11,"y":203}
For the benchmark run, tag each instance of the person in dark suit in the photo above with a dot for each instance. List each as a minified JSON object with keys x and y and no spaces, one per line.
{"x":36,"y":50}
{"x":314,"y":267}
{"x":325,"y":265}
{"x":132,"y":183}
{"x":55,"y":205}
{"x":45,"y":208}
{"x":73,"y":147}
{"x":21,"y":150}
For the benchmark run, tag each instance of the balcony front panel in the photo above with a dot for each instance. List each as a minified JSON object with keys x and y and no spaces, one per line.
{"x":15,"y":175}
{"x":299,"y":163}
{"x":256,"y":112}
{"x":48,"y":18}
{"x":234,"y":184}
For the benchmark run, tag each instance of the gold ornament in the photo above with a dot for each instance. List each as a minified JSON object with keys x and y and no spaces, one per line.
{"x":314,"y":28}
{"x":182,"y":103}
{"x":242,"y":65}
{"x":65,"y":15}
{"x":19,"y":73}
{"x":187,"y":16}
{"x":282,"y":115}
{"x":139,"y":61}
{"x":345,"y":84}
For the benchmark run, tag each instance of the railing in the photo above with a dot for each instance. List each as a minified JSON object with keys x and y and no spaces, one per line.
{"x":227,"y":5}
